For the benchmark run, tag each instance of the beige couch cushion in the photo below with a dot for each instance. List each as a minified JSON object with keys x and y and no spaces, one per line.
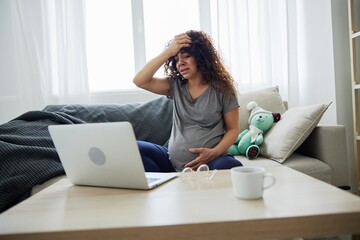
{"x":307,"y":165}
{"x":267,"y":98}
{"x":310,"y":166}
{"x":259,"y":161}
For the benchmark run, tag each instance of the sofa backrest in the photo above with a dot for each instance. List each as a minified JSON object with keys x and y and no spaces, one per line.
{"x":152,"y":121}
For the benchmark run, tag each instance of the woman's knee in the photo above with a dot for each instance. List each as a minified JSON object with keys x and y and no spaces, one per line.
{"x":150,"y":148}
{"x":224,"y":162}
{"x":144,"y":146}
{"x":155,"y":157}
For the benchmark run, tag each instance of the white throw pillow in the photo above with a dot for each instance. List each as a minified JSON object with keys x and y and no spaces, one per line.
{"x":291,"y":131}
{"x":267,"y":98}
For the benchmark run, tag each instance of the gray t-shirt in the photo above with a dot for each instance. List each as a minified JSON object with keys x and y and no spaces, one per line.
{"x":196,"y":123}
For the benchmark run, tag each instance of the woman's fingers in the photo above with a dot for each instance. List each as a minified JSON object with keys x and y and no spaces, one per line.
{"x":178,"y":42}
{"x":183,"y":39}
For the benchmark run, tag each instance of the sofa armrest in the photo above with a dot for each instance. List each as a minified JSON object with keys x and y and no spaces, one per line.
{"x":328,"y":144}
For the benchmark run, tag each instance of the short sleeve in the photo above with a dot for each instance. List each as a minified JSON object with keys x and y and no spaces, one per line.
{"x":229,"y":103}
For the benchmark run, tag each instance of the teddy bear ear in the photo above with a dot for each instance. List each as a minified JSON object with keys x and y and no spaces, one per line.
{"x":251,"y":105}
{"x":276,"y":116}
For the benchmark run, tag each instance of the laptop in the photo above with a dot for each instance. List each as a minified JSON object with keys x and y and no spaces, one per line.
{"x":103,"y":155}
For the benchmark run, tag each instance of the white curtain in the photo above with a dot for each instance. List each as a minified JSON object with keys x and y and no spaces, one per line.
{"x":50,"y":53}
{"x":252,"y":36}
{"x":264,"y":42}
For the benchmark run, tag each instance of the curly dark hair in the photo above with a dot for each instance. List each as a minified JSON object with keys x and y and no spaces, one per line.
{"x":209,"y":63}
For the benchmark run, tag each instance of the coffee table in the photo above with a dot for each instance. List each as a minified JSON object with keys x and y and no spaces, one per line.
{"x":297,"y":206}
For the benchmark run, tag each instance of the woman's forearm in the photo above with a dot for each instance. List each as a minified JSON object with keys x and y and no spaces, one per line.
{"x":232,"y":131}
{"x":146,"y":74}
{"x":226,"y":142}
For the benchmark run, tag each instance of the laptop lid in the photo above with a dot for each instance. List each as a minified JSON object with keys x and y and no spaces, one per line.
{"x":104,"y":155}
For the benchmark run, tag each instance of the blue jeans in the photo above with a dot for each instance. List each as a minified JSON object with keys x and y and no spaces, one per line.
{"x":156,"y":159}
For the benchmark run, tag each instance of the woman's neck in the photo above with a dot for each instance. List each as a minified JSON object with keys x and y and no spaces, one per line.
{"x":196,"y":87}
{"x":197,"y":82}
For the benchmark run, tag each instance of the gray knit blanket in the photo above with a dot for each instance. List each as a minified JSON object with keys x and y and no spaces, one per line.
{"x":28,"y":156}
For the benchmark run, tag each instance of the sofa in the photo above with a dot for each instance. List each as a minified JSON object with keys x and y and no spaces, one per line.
{"x":321,"y":153}
{"x":29,"y":161}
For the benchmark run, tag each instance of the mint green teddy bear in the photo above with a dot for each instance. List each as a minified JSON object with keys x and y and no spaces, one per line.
{"x":249,"y":140}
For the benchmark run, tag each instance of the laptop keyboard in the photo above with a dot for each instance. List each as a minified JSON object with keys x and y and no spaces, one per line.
{"x":150,"y":179}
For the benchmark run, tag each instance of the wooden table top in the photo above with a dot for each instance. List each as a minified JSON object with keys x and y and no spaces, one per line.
{"x":297,"y":205}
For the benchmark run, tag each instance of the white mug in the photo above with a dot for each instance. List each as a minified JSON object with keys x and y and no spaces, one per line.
{"x":248,"y":181}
